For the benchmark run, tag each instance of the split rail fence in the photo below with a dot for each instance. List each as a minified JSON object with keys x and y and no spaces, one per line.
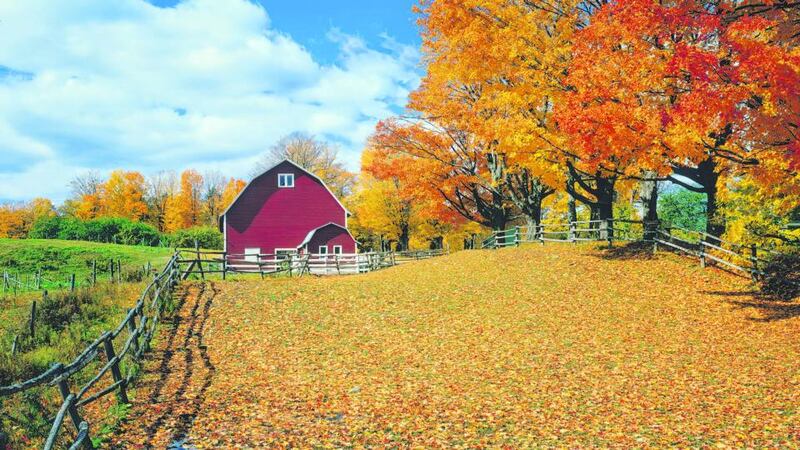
{"x":139,"y":327}
{"x":203,"y":262}
{"x":136,"y":330}
{"x":708,"y":248}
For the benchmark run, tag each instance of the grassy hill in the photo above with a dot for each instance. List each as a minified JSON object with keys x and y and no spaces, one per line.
{"x":544,"y":346}
{"x":58,"y":260}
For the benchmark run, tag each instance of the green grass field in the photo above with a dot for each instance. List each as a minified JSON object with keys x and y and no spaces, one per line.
{"x":58,"y":260}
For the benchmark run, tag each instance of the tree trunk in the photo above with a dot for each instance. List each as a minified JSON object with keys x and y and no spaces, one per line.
{"x":402,"y":240}
{"x":707,"y":175}
{"x":572,"y":209}
{"x":649,"y":199}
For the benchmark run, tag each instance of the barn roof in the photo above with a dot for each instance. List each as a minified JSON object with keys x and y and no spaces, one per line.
{"x":287,"y":160}
{"x":314,"y":231}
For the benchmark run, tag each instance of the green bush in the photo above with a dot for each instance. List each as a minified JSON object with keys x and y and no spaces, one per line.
{"x":46,"y":228}
{"x":683,"y":208}
{"x":207,"y":237}
{"x":72,"y":230}
{"x":782,"y":277}
{"x":137,"y":233}
{"x":106,"y":230}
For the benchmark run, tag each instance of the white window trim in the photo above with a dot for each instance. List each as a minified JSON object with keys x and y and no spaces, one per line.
{"x":339,"y":247}
{"x":289,"y":177}
{"x":320,"y":252}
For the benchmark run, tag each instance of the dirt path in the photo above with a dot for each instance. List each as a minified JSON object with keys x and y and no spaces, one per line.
{"x":178,"y":373}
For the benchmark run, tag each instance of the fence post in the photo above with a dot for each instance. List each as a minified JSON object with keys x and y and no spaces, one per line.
{"x":291,"y":263}
{"x":39,"y":279}
{"x":199,"y":264}
{"x":572,"y":233}
{"x":702,"y":253}
{"x":73,"y":411}
{"x":32,"y":323}
{"x":610,"y":231}
{"x":517,"y":238}
{"x":14,"y":344}
{"x":72,"y":283}
{"x":111,"y":270}
{"x":224,"y":265}
{"x":122,"y":396}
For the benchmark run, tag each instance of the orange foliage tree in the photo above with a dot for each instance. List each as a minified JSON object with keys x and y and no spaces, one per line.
{"x":183,"y":209}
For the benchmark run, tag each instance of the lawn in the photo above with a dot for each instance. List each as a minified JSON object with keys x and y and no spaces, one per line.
{"x":58,"y":259}
{"x":553,"y":346}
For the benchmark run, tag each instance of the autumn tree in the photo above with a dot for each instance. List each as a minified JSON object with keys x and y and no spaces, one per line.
{"x":183,"y":209}
{"x":232,"y":189}
{"x":161,"y":187}
{"x":314,"y":155}
{"x":123,"y":195}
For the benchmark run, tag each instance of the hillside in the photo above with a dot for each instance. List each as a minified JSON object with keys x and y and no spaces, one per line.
{"x":58,"y":259}
{"x":535,"y":347}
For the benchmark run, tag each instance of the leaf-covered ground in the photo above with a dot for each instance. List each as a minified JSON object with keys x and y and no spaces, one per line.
{"x":534,"y":347}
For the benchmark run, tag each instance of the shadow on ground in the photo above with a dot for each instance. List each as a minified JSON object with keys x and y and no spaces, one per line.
{"x":178,"y":376}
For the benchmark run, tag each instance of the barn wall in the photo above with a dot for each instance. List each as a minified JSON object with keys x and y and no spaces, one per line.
{"x":268,"y":217}
{"x":331,"y":236}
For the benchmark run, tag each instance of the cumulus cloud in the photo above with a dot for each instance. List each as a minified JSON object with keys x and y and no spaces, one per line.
{"x":94,"y":84}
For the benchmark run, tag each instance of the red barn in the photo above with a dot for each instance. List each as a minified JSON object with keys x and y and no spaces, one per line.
{"x":286,"y":209}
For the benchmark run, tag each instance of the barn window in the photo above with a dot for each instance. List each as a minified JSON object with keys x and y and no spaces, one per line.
{"x":323,"y":249}
{"x":337,"y":249}
{"x":286,"y":180}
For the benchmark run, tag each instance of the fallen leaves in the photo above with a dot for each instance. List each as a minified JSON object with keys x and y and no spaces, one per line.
{"x":534,"y":347}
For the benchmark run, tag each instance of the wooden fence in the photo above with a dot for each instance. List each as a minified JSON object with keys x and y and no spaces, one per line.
{"x":137,"y":330}
{"x":203,"y":263}
{"x":708,"y":248}
{"x":18,"y":282}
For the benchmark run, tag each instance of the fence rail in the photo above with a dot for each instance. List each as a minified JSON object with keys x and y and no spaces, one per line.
{"x":706,"y":247}
{"x":202,"y":263}
{"x":138,"y":329}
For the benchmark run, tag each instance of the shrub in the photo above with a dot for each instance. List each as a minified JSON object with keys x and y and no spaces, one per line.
{"x":683,"y":208}
{"x":782,"y":277}
{"x":137,"y":233}
{"x":207,"y":237}
{"x":73,"y":230}
{"x":46,"y":228}
{"x":105,"y":229}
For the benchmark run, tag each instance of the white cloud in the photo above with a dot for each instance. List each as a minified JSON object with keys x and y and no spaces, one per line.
{"x":100,"y":84}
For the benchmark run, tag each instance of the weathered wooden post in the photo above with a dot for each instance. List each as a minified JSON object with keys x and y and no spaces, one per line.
{"x":72,"y":283}
{"x":39,"y":279}
{"x":610,"y":231}
{"x":517,"y":237}
{"x":63,"y":388}
{"x":702,"y":253}
{"x":111,"y":357}
{"x":754,"y":262}
{"x":291,"y":263}
{"x":572,"y":233}
{"x":32,"y":322}
{"x":199,"y":263}
{"x":224,"y":265}
{"x":14,"y":344}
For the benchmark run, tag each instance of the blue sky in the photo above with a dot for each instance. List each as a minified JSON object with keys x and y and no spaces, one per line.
{"x":158,"y":85}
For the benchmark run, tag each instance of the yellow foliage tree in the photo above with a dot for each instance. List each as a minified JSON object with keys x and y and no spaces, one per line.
{"x":183,"y":209}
